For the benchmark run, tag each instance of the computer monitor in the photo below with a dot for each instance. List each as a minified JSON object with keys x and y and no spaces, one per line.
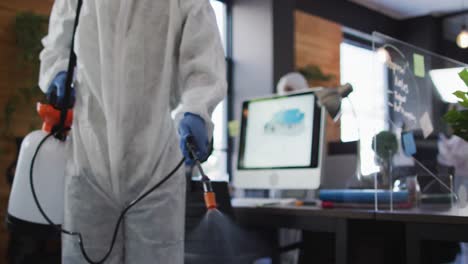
{"x":281,"y":143}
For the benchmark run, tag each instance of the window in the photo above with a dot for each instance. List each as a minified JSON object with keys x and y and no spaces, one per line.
{"x":364,"y":112}
{"x":221,"y":18}
{"x":216,"y":166}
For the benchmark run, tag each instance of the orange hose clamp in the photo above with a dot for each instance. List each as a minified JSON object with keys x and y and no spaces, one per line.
{"x":51,"y":117}
{"x":210,"y":200}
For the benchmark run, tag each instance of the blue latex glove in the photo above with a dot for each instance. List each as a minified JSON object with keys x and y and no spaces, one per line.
{"x":193,"y":126}
{"x":56,"y":92}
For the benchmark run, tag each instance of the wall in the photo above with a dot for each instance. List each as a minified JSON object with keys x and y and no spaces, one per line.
{"x":262,"y":51}
{"x":252,"y":52}
{"x":262,"y":48}
{"x":317,"y":42}
{"x":283,"y":38}
{"x":350,"y":15}
{"x":424,"y":32}
{"x":451,"y":50}
{"x":10,"y":79}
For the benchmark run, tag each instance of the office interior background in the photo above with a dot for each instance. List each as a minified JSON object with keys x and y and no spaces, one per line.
{"x":263,"y":41}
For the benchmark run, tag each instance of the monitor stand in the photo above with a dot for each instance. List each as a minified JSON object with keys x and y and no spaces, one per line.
{"x":275,"y":194}
{"x":277,"y":197}
{"x":298,"y":194}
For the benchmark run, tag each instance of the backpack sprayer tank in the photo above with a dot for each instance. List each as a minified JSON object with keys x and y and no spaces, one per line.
{"x":49,"y":176}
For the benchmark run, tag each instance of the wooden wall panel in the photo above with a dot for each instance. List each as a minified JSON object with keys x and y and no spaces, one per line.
{"x":317,"y":42}
{"x":37,"y":6}
{"x":10,"y":79}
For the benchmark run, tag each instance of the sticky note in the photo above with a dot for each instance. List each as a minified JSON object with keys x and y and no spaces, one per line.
{"x":234,"y":128}
{"x":426,"y":125}
{"x":419,"y":67}
{"x":408,"y":143}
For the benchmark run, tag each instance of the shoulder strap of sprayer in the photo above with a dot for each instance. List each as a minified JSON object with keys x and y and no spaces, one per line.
{"x":70,"y":70}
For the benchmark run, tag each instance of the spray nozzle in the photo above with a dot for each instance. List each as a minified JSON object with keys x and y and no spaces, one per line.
{"x":210,"y":196}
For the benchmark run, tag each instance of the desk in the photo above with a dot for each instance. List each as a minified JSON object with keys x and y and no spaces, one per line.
{"x":402,"y":232}
{"x":424,"y":225}
{"x":306,"y":218}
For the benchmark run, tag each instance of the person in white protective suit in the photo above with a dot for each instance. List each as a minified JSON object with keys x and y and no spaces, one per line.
{"x":291,"y":82}
{"x":137,"y":61}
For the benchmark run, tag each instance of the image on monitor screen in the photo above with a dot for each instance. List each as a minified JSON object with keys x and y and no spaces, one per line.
{"x":279,"y":132}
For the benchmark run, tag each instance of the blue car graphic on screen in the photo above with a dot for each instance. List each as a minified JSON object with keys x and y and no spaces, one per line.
{"x":286,"y":122}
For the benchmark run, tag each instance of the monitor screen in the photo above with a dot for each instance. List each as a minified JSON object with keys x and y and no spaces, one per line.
{"x":280,"y":132}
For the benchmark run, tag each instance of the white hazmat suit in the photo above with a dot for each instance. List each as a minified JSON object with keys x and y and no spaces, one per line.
{"x":137,"y":61}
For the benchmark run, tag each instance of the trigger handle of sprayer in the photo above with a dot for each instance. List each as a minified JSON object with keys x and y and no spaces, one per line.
{"x":191,"y":145}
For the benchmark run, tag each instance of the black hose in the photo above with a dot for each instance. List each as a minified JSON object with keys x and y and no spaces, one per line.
{"x":78,"y":234}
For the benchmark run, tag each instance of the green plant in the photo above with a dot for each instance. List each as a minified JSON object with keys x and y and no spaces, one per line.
{"x":314,"y":73}
{"x":29,"y":29}
{"x":385,"y":145}
{"x":458,"y":119}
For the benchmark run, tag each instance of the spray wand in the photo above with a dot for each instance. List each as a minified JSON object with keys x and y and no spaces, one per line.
{"x":209,"y":195}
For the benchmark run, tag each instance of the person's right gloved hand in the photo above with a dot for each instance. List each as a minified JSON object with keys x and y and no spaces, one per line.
{"x":192,"y":130}
{"x":56,"y":92}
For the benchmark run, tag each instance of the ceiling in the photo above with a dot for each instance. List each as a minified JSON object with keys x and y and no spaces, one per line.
{"x":403,"y":9}
{"x":453,"y":25}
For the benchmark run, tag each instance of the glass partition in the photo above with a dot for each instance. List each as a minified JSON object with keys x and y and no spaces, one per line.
{"x":421,"y":166}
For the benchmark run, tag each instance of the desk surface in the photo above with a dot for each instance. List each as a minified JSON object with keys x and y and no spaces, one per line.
{"x":417,"y":215}
{"x":312,"y":211}
{"x":421,"y":215}
{"x":310,"y":218}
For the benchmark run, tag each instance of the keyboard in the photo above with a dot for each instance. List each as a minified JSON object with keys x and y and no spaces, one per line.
{"x":258,"y":202}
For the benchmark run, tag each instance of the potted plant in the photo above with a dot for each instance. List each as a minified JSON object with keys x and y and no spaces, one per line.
{"x":315,"y":76}
{"x":385,"y":146}
{"x":29,"y":29}
{"x":458,"y":119}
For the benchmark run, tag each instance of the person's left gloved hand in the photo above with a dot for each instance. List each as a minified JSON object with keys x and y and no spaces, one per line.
{"x":193,"y":126}
{"x":56,"y":92}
